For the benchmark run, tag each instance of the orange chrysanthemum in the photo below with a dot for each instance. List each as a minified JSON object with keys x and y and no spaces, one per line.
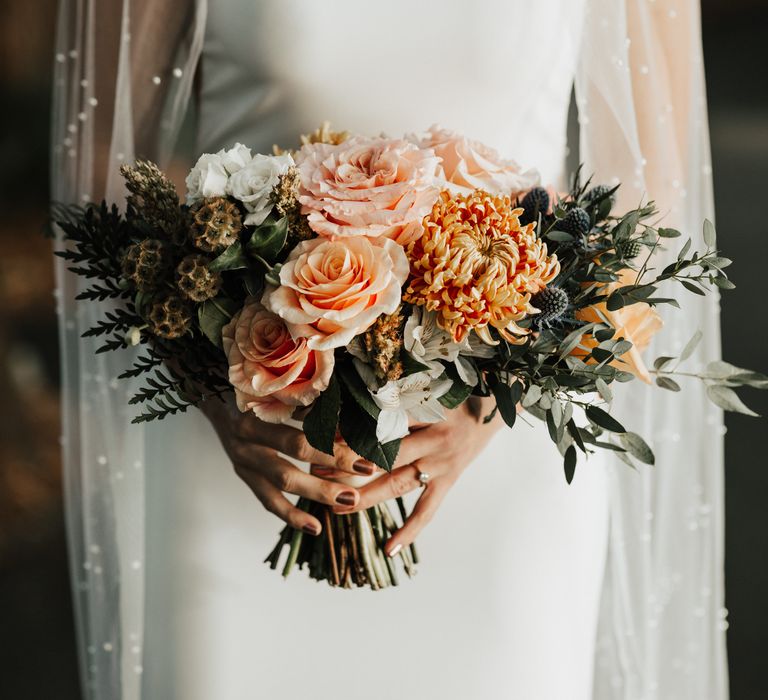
{"x":476,"y":266}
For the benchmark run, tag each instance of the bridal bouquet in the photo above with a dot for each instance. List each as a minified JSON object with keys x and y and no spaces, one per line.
{"x":361,"y":284}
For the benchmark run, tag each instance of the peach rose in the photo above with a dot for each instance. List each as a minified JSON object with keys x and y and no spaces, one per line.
{"x":475,"y":166}
{"x":367,"y":187}
{"x":271,"y":372}
{"x":330,"y":291}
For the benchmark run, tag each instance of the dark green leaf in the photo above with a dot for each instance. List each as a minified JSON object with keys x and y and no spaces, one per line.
{"x":268,"y":239}
{"x":604,"y":420}
{"x":559,"y":236}
{"x":615,"y":301}
{"x":569,"y":463}
{"x":358,"y":429}
{"x":662,"y":361}
{"x":693,"y":288}
{"x":213,"y":315}
{"x":575,"y":433}
{"x":669,"y":233}
{"x":323,"y":418}
{"x":457,"y":394}
{"x":667,"y":383}
{"x":358,"y":390}
{"x":232,"y":258}
{"x":507,"y":398}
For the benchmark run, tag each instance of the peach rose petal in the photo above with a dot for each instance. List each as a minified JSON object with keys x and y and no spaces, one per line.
{"x":271,"y":372}
{"x":331,"y":291}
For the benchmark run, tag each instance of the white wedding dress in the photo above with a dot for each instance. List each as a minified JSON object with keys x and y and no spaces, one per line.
{"x":608,"y":589}
{"x":507,"y":594}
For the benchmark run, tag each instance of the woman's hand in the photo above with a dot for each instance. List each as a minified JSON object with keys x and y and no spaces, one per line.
{"x":441,"y":450}
{"x":253,"y":447}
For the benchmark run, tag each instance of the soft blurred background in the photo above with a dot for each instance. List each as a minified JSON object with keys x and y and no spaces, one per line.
{"x":37,"y":650}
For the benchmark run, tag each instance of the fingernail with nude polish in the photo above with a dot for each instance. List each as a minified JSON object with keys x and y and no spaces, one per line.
{"x":346,"y":498}
{"x":394,"y":551}
{"x":364,"y":468}
{"x":311,"y":529}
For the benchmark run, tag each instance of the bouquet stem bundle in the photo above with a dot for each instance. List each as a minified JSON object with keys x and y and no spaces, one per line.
{"x":350,"y":552}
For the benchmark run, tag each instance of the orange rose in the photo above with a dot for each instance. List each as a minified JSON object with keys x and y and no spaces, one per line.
{"x":637,"y":323}
{"x":330,"y":291}
{"x":271,"y":372}
{"x":367,"y":187}
{"x":474,"y":165}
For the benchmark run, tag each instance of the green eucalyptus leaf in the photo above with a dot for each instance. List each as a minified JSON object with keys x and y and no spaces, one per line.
{"x":604,"y":390}
{"x":667,"y":383}
{"x":532,"y":395}
{"x":693,"y":288}
{"x":662,"y":361}
{"x":507,"y":397}
{"x":559,"y":236}
{"x":615,"y":301}
{"x":569,"y":463}
{"x":709,"y":234}
{"x":723,"y":282}
{"x":684,"y":250}
{"x":719,"y":262}
{"x":690,"y":346}
{"x":669,"y":233}
{"x":637,"y":447}
{"x":604,"y":419}
{"x":728,"y":400}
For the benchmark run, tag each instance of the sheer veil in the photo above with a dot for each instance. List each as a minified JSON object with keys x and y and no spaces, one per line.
{"x":123,"y":76}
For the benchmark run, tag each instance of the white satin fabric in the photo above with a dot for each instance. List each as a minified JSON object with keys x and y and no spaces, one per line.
{"x":513,"y":598}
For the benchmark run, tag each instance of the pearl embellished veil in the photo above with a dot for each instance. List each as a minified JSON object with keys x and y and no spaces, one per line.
{"x":123,"y":77}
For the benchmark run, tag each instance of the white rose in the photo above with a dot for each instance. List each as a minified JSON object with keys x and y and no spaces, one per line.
{"x":208,"y":178}
{"x":253,"y":185}
{"x":236,"y":158}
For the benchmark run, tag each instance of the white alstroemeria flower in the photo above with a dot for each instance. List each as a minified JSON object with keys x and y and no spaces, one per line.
{"x":208,"y":178}
{"x":415,"y":397}
{"x":428,"y":343}
{"x":254,"y":182}
{"x":235,"y":158}
{"x":360,"y":360}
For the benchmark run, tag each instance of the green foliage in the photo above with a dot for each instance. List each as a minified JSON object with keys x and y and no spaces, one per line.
{"x":321,"y":421}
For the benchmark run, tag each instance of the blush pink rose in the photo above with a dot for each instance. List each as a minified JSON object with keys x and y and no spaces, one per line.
{"x":271,"y":372}
{"x":367,"y":187}
{"x":332,"y":290}
{"x":475,"y":166}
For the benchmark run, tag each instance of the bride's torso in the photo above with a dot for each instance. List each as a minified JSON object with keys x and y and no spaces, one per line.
{"x":497,"y":70}
{"x":491,"y":611}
